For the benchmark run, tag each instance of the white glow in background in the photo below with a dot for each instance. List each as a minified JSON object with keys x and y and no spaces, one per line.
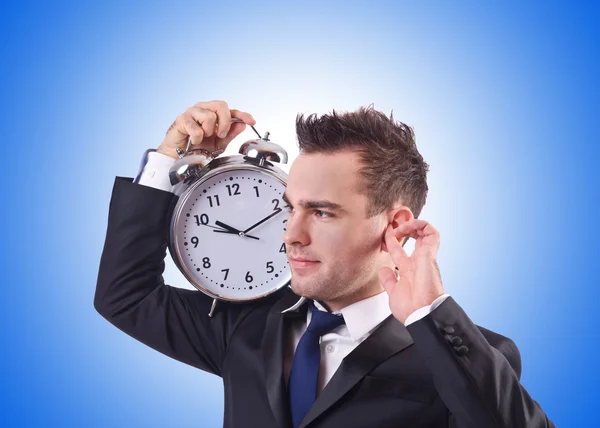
{"x":503,"y":106}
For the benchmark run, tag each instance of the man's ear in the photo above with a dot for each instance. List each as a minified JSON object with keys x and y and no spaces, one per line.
{"x":395,"y":217}
{"x":400,"y":215}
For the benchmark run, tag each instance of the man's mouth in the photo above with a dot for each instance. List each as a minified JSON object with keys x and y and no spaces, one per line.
{"x":301,"y":262}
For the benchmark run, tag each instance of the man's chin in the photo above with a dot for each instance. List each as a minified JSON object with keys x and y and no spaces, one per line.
{"x":300,"y":289}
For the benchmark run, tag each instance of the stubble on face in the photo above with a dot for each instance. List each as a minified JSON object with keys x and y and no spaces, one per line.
{"x":349,"y":246}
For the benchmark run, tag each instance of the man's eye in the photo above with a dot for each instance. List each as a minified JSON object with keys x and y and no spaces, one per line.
{"x":323,"y":214}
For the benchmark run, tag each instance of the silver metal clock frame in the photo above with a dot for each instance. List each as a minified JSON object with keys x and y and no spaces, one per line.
{"x":197,"y":176}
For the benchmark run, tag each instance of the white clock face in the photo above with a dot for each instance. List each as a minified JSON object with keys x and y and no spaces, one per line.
{"x":229,"y":234}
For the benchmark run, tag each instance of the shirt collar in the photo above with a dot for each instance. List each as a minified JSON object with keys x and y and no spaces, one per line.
{"x":360,"y":317}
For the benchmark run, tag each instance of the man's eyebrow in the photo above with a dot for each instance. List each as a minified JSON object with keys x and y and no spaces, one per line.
{"x":316,"y":204}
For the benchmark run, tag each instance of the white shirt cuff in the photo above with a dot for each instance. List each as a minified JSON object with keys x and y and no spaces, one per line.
{"x":425,"y":310}
{"x":155,"y":172}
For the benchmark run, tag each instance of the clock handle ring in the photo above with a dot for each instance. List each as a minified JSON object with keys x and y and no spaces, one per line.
{"x":204,"y":152}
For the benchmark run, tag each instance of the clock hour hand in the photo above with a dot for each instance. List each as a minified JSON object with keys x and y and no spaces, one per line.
{"x":227,"y":227}
{"x":232,"y":230}
{"x":277,"y":211}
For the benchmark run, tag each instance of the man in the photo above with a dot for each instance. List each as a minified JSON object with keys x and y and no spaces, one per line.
{"x":374,"y":346}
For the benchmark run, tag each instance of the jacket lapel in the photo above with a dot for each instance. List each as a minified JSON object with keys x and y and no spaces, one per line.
{"x":390,"y":338}
{"x":273,"y":346}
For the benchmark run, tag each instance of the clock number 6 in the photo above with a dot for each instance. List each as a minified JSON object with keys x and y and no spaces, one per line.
{"x":249,"y":277}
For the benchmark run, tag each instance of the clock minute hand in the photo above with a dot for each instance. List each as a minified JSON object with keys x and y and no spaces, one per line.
{"x":277,"y":211}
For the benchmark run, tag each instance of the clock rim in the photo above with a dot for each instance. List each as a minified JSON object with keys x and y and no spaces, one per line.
{"x":215,"y":167}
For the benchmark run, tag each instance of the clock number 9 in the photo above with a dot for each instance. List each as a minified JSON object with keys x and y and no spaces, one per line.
{"x":194,"y":241}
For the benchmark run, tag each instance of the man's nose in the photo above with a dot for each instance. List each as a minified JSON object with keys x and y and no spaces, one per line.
{"x":296,"y":231}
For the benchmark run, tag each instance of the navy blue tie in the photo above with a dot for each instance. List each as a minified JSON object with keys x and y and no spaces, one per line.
{"x":305,"y":368}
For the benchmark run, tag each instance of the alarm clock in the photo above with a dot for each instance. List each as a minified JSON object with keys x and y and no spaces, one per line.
{"x":226,"y":230}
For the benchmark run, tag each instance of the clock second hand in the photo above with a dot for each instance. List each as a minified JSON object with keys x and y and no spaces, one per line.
{"x":214,"y":227}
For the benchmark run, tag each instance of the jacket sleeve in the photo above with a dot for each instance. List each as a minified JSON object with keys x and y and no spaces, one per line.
{"x":131,"y":292}
{"x":477,"y":378}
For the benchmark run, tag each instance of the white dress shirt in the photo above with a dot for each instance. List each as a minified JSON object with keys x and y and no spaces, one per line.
{"x":154,"y":171}
{"x":361,"y":318}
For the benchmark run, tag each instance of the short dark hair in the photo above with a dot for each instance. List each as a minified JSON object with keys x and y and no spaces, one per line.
{"x":392,"y":167}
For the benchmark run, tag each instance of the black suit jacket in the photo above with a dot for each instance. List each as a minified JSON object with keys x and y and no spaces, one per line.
{"x":441,"y":371}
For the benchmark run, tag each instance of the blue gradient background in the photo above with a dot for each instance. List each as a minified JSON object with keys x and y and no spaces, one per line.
{"x":504,"y":101}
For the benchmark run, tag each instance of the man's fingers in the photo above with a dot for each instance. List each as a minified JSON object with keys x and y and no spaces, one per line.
{"x":221,"y":110}
{"x":394,"y":247}
{"x":194,"y":130}
{"x":208,"y":124}
{"x":236,"y":129}
{"x":224,"y":115}
{"x":387,"y":279}
{"x":422,"y":231}
{"x":223,"y":118}
{"x":242,"y":115}
{"x":205,"y":118}
{"x":414,"y":228}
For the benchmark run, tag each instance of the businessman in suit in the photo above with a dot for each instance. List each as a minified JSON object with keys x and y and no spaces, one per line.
{"x":376,"y":343}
